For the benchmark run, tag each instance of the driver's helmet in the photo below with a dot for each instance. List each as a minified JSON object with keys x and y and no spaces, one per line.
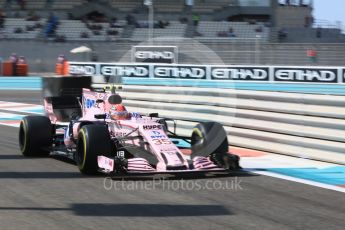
{"x":119,"y":112}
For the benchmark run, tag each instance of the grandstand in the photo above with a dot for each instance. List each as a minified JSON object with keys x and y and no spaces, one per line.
{"x":209,"y":6}
{"x":73,"y":30}
{"x":125,"y":5}
{"x":211,"y":29}
{"x":240,"y":31}
{"x":29,"y":5}
{"x":19,"y":28}
{"x":66,"y":4}
{"x":174,"y":29}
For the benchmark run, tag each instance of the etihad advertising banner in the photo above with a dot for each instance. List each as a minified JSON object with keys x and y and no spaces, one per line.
{"x":279,"y":74}
{"x":239,"y":73}
{"x":310,"y":75}
{"x":155,"y":54}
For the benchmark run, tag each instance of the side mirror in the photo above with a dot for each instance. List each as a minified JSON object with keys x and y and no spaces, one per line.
{"x":153,"y":115}
{"x":100,"y":116}
{"x":115,"y":99}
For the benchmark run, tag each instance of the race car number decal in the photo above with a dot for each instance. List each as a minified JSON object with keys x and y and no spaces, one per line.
{"x":161,"y":141}
{"x":120,"y":154}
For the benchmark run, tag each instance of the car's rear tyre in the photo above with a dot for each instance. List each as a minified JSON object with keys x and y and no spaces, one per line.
{"x":35,"y":136}
{"x":93,"y":141}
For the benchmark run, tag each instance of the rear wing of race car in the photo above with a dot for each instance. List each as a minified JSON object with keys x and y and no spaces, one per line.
{"x":63,"y":95}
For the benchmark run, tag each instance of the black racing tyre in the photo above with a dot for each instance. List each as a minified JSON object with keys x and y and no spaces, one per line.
{"x":208,"y":138}
{"x":226,"y":160}
{"x":93,"y":141}
{"x":35,"y":136}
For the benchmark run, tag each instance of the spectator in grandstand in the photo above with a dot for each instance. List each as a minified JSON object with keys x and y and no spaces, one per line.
{"x":14,"y":59}
{"x":52,"y":24}
{"x":259,"y":29}
{"x":189,"y":2}
{"x":38,"y":25}
{"x":2,"y":20}
{"x":308,"y":21}
{"x":96,"y":32}
{"x":196,"y":19}
{"x":61,"y":59}
{"x":130,"y":19}
{"x":112,"y":32}
{"x":61,"y":65}
{"x":60,"y":38}
{"x":282,"y":34}
{"x":30,"y":28}
{"x":231,"y":33}
{"x":21,"y":60}
{"x":94,"y":57}
{"x":161,"y":24}
{"x":84,"y":35}
{"x":22,"y":4}
{"x":17,"y":30}
{"x":312,"y":55}
{"x":183,"y":20}
{"x":32,"y":16}
{"x":318,"y":32}
{"x":113,"y":23}
{"x":252,"y":22}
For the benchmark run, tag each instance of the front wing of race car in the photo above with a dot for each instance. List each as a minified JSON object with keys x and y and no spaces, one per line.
{"x":139,"y":166}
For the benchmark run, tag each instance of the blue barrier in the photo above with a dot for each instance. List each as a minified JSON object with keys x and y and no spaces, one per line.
{"x":23,"y":83}
{"x":34,"y":83}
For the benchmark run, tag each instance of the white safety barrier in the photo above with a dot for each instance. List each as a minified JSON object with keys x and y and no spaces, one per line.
{"x":303,"y":125}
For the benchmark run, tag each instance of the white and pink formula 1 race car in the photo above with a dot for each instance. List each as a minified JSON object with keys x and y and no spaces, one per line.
{"x":93,"y":128}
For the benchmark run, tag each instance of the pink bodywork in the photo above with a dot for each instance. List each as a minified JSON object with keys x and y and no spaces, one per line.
{"x":152,"y":132}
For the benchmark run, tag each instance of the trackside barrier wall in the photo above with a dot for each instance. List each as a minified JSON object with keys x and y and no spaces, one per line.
{"x":303,"y":125}
{"x":225,"y":73}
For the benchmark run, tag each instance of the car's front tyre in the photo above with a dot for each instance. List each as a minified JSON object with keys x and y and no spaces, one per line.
{"x":93,"y":141}
{"x":209,"y":139}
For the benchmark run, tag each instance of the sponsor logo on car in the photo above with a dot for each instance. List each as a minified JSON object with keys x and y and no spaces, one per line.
{"x":158,"y":137}
{"x":147,"y":127}
{"x":155,"y":133}
{"x":89,"y":103}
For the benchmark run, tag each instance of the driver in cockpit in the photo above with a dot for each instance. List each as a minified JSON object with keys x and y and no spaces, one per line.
{"x":119,"y":112}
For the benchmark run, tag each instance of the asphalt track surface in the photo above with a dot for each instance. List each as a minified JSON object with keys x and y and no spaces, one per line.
{"x":46,"y":193}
